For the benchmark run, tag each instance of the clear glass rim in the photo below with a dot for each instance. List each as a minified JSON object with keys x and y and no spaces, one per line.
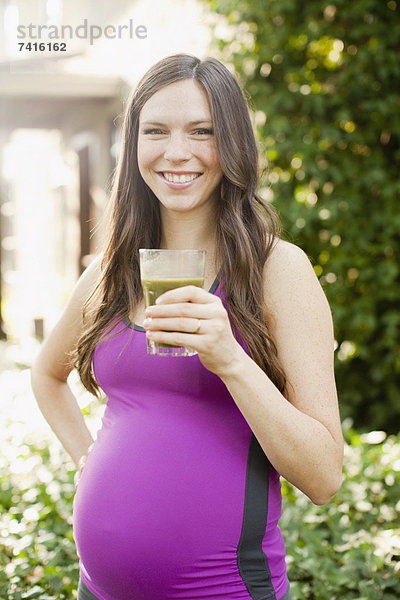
{"x":176,"y":251}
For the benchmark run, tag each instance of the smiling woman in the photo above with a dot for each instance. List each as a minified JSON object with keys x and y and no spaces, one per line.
{"x":180,"y":494}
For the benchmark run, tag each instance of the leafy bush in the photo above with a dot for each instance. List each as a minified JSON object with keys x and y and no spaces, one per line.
{"x":323,"y":77}
{"x":349,"y":548}
{"x":37,"y":551}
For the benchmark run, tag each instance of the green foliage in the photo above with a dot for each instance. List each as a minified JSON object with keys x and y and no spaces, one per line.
{"x":324,"y":77}
{"x":37,"y":551}
{"x":349,"y":548}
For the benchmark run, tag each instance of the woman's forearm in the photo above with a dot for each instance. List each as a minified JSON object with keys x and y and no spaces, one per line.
{"x":61,"y":410}
{"x":299,"y":447}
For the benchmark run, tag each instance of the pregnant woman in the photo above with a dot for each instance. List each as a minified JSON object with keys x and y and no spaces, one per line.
{"x":179,"y":496}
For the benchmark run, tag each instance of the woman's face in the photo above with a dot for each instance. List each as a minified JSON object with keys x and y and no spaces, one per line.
{"x":177,"y":151}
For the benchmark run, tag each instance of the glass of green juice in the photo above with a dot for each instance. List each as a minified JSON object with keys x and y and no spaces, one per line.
{"x":163,"y":270}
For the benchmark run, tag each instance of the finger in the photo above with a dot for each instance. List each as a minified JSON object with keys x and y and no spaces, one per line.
{"x":187,"y":293}
{"x":187,"y":325}
{"x":182,"y":309}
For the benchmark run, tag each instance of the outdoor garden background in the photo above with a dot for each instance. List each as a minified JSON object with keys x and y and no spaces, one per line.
{"x":323,"y":82}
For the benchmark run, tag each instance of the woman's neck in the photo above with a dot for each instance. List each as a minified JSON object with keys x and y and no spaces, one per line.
{"x":188,"y":230}
{"x":184,"y":231}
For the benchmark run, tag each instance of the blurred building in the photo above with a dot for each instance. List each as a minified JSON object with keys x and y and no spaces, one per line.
{"x":60,"y":116}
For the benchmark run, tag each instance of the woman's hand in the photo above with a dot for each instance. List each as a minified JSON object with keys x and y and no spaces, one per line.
{"x":81,"y":466}
{"x":192,"y":317}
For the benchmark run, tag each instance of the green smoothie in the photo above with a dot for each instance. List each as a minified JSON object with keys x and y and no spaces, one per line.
{"x":153,"y":288}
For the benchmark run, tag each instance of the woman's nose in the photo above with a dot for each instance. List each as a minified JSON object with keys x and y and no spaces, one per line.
{"x":177,"y":148}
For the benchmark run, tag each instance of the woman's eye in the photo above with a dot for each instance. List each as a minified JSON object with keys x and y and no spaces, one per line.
{"x":204,"y":131}
{"x":153,"y":131}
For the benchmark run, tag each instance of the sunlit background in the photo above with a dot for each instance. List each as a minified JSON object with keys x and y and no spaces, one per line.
{"x":60,"y":117}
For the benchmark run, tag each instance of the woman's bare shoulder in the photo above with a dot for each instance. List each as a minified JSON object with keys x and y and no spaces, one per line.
{"x":290,"y":279}
{"x":285,"y":259}
{"x":282,"y":248}
{"x":86,"y":282}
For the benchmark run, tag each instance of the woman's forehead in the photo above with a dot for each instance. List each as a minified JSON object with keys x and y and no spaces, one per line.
{"x":186,"y":98}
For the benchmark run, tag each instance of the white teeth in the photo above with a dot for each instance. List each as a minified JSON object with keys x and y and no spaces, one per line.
{"x":174,"y":178}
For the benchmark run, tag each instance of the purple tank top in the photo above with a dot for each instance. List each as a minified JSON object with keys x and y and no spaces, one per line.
{"x":177,"y":500}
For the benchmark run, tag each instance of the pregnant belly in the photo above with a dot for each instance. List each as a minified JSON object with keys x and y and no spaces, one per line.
{"x":157,"y":511}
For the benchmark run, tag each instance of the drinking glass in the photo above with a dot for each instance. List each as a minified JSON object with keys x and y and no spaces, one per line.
{"x":163,"y":270}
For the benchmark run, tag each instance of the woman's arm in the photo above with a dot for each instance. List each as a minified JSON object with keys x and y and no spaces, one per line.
{"x":51,"y":369}
{"x":302,"y":438}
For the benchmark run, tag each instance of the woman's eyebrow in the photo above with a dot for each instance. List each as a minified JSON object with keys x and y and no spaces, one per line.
{"x":191,"y":123}
{"x":151,"y":123}
{"x":200,"y":121}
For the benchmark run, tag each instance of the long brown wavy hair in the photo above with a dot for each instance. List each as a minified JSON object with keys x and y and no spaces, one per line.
{"x":247,"y":228}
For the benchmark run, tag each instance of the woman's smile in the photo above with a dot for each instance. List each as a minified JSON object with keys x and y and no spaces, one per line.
{"x":178,"y":180}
